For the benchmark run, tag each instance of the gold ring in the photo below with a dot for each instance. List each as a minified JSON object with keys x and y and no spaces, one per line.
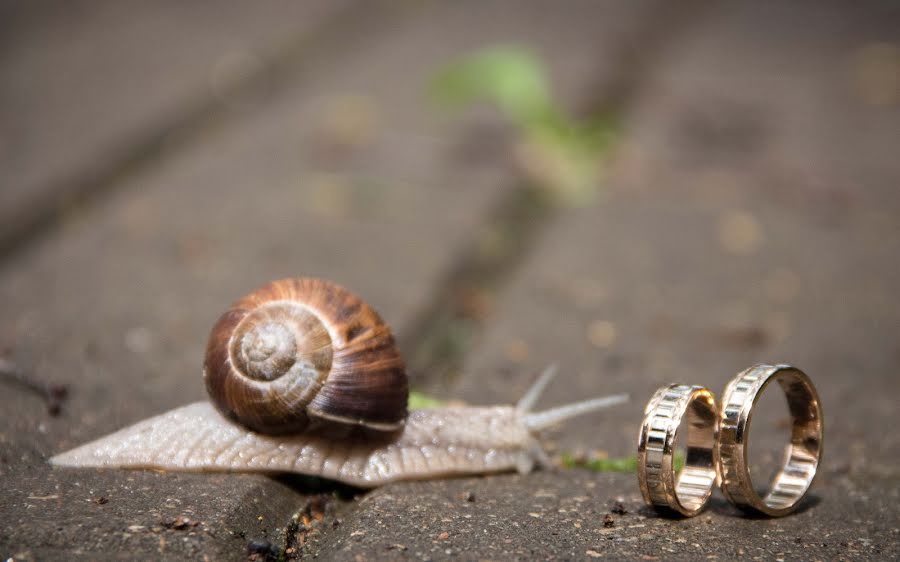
{"x":688,"y":491}
{"x":801,"y":455}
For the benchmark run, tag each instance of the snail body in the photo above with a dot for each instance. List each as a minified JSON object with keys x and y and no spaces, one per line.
{"x":304,"y":377}
{"x":433,"y":443}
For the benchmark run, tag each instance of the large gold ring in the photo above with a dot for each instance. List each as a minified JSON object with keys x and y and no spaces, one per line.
{"x":801,"y":455}
{"x":689,"y":490}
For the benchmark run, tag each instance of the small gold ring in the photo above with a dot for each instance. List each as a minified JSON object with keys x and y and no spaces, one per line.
{"x":802,"y":454}
{"x":689,"y":490}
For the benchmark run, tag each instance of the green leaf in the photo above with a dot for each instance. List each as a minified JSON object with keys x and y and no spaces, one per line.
{"x":559,"y":153}
{"x":419,"y":401}
{"x":507,"y":75}
{"x":623,"y":464}
{"x":620,"y":464}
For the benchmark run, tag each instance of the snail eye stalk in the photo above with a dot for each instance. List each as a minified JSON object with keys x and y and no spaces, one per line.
{"x":542,"y":420}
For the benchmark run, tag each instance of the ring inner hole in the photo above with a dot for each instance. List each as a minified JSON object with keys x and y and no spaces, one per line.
{"x":697,"y":432}
{"x":789,"y":473}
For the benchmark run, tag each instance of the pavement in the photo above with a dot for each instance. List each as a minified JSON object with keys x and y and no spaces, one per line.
{"x":747,"y":213}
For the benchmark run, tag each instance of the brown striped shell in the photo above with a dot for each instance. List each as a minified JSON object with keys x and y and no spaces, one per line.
{"x":297,"y":350}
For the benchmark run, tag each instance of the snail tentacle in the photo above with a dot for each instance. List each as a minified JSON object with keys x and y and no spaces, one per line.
{"x":531,"y":396}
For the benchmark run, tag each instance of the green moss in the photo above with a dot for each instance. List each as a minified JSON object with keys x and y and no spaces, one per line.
{"x":419,"y":401}
{"x":620,"y":464}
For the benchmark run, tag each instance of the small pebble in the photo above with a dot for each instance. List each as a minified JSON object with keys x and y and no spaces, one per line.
{"x":139,"y":339}
{"x":263,"y":549}
{"x":179,"y":523}
{"x":516,"y":351}
{"x":739,"y":233}
{"x":601,"y":333}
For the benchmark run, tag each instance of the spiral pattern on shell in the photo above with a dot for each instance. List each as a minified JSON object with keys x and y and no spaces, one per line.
{"x":302,"y":349}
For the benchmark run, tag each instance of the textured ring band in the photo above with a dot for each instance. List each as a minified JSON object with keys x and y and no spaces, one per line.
{"x":689,"y":491}
{"x":801,"y":455}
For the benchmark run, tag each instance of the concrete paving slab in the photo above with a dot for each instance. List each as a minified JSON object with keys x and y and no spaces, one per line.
{"x":79,"y":85}
{"x":578,"y":515}
{"x":749,"y":217}
{"x":118,"y":301}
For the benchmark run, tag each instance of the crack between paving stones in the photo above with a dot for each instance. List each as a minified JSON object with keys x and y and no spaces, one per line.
{"x":442,"y":335}
{"x":67,"y":198}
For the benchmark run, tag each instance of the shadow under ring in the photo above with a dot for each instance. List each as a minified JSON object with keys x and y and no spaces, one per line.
{"x":802,"y":454}
{"x":688,"y":491}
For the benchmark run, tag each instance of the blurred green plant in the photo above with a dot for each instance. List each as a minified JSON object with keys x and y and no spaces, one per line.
{"x":556,"y":151}
{"x":620,"y":464}
{"x":419,"y":401}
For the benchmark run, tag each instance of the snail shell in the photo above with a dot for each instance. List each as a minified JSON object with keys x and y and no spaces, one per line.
{"x":301,"y":351}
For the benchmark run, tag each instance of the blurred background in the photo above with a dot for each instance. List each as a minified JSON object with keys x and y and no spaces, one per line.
{"x":644,"y":192}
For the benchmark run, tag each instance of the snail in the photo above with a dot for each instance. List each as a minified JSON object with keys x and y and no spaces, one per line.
{"x":304,"y":377}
